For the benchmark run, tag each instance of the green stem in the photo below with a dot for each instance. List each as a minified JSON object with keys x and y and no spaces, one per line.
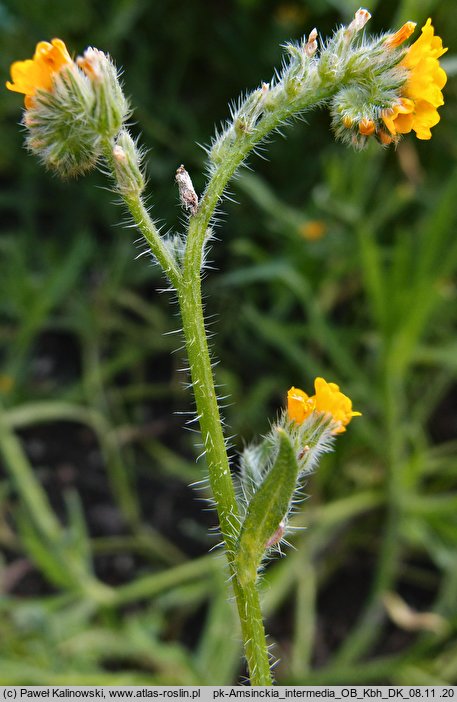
{"x":253,"y":631}
{"x":187,"y":282}
{"x":152,"y":236}
{"x":208,"y":410}
{"x":247,"y":597}
{"x":145,"y":224}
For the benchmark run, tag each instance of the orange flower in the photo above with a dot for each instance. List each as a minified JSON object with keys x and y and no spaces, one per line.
{"x":327,"y":399}
{"x":367,"y":127}
{"x":421,"y":96}
{"x":402,"y":35}
{"x":330,"y":400}
{"x":299,"y":405}
{"x":313,"y":229}
{"x":35,"y":74}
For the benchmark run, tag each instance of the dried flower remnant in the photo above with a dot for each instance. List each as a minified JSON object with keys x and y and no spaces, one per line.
{"x":310,"y":47}
{"x":361,"y":17}
{"x":277,"y":536}
{"x":187,"y":194}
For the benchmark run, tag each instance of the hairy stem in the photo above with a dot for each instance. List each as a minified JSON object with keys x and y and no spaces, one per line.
{"x":247,"y":597}
{"x":186,"y":279}
{"x":145,"y":224}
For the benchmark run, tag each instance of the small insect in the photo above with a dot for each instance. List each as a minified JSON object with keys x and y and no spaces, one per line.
{"x":277,"y":536}
{"x":303,"y":452}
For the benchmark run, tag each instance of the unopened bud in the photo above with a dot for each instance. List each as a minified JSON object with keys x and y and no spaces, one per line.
{"x":384,"y":137}
{"x":111,"y":107}
{"x":187,"y":194}
{"x":401,"y":35}
{"x":127,"y":165}
{"x":366,"y":127}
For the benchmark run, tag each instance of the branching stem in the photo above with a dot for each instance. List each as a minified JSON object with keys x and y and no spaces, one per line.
{"x":186,"y":279}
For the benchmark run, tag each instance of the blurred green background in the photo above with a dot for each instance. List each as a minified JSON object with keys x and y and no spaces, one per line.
{"x":329,"y":263}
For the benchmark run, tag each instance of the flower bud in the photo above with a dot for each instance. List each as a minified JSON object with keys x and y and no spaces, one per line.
{"x":127,"y":159}
{"x":401,"y":35}
{"x":111,"y":108}
{"x":59,"y":129}
{"x":401,"y":90}
{"x":367,"y":127}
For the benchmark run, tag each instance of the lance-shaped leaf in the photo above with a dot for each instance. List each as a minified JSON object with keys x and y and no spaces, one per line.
{"x":267,"y":510}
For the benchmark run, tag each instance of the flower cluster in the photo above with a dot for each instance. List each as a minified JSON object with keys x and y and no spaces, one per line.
{"x":375,"y":88}
{"x":401,"y":91}
{"x":71,"y":107}
{"x":328,"y":399}
{"x":420,"y":97}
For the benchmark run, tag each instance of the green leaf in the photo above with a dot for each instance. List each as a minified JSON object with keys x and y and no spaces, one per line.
{"x":42,"y":552}
{"x":267,"y":510}
{"x":77,"y":533}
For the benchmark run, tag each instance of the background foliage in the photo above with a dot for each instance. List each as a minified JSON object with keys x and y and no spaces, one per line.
{"x":104,"y":571}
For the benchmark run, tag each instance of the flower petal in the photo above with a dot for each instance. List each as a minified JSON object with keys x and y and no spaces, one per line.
{"x":38,"y":73}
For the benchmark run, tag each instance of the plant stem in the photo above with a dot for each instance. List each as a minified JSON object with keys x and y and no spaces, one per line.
{"x":247,"y":597}
{"x":188,"y":287}
{"x":187,"y":281}
{"x":151,"y":234}
{"x":145,"y":224}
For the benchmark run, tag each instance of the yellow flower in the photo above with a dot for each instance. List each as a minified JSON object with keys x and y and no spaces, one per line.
{"x":299,"y":405}
{"x":313,"y":229}
{"x":421,"y":95}
{"x":35,"y":74}
{"x":327,"y":399}
{"x":330,"y":400}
